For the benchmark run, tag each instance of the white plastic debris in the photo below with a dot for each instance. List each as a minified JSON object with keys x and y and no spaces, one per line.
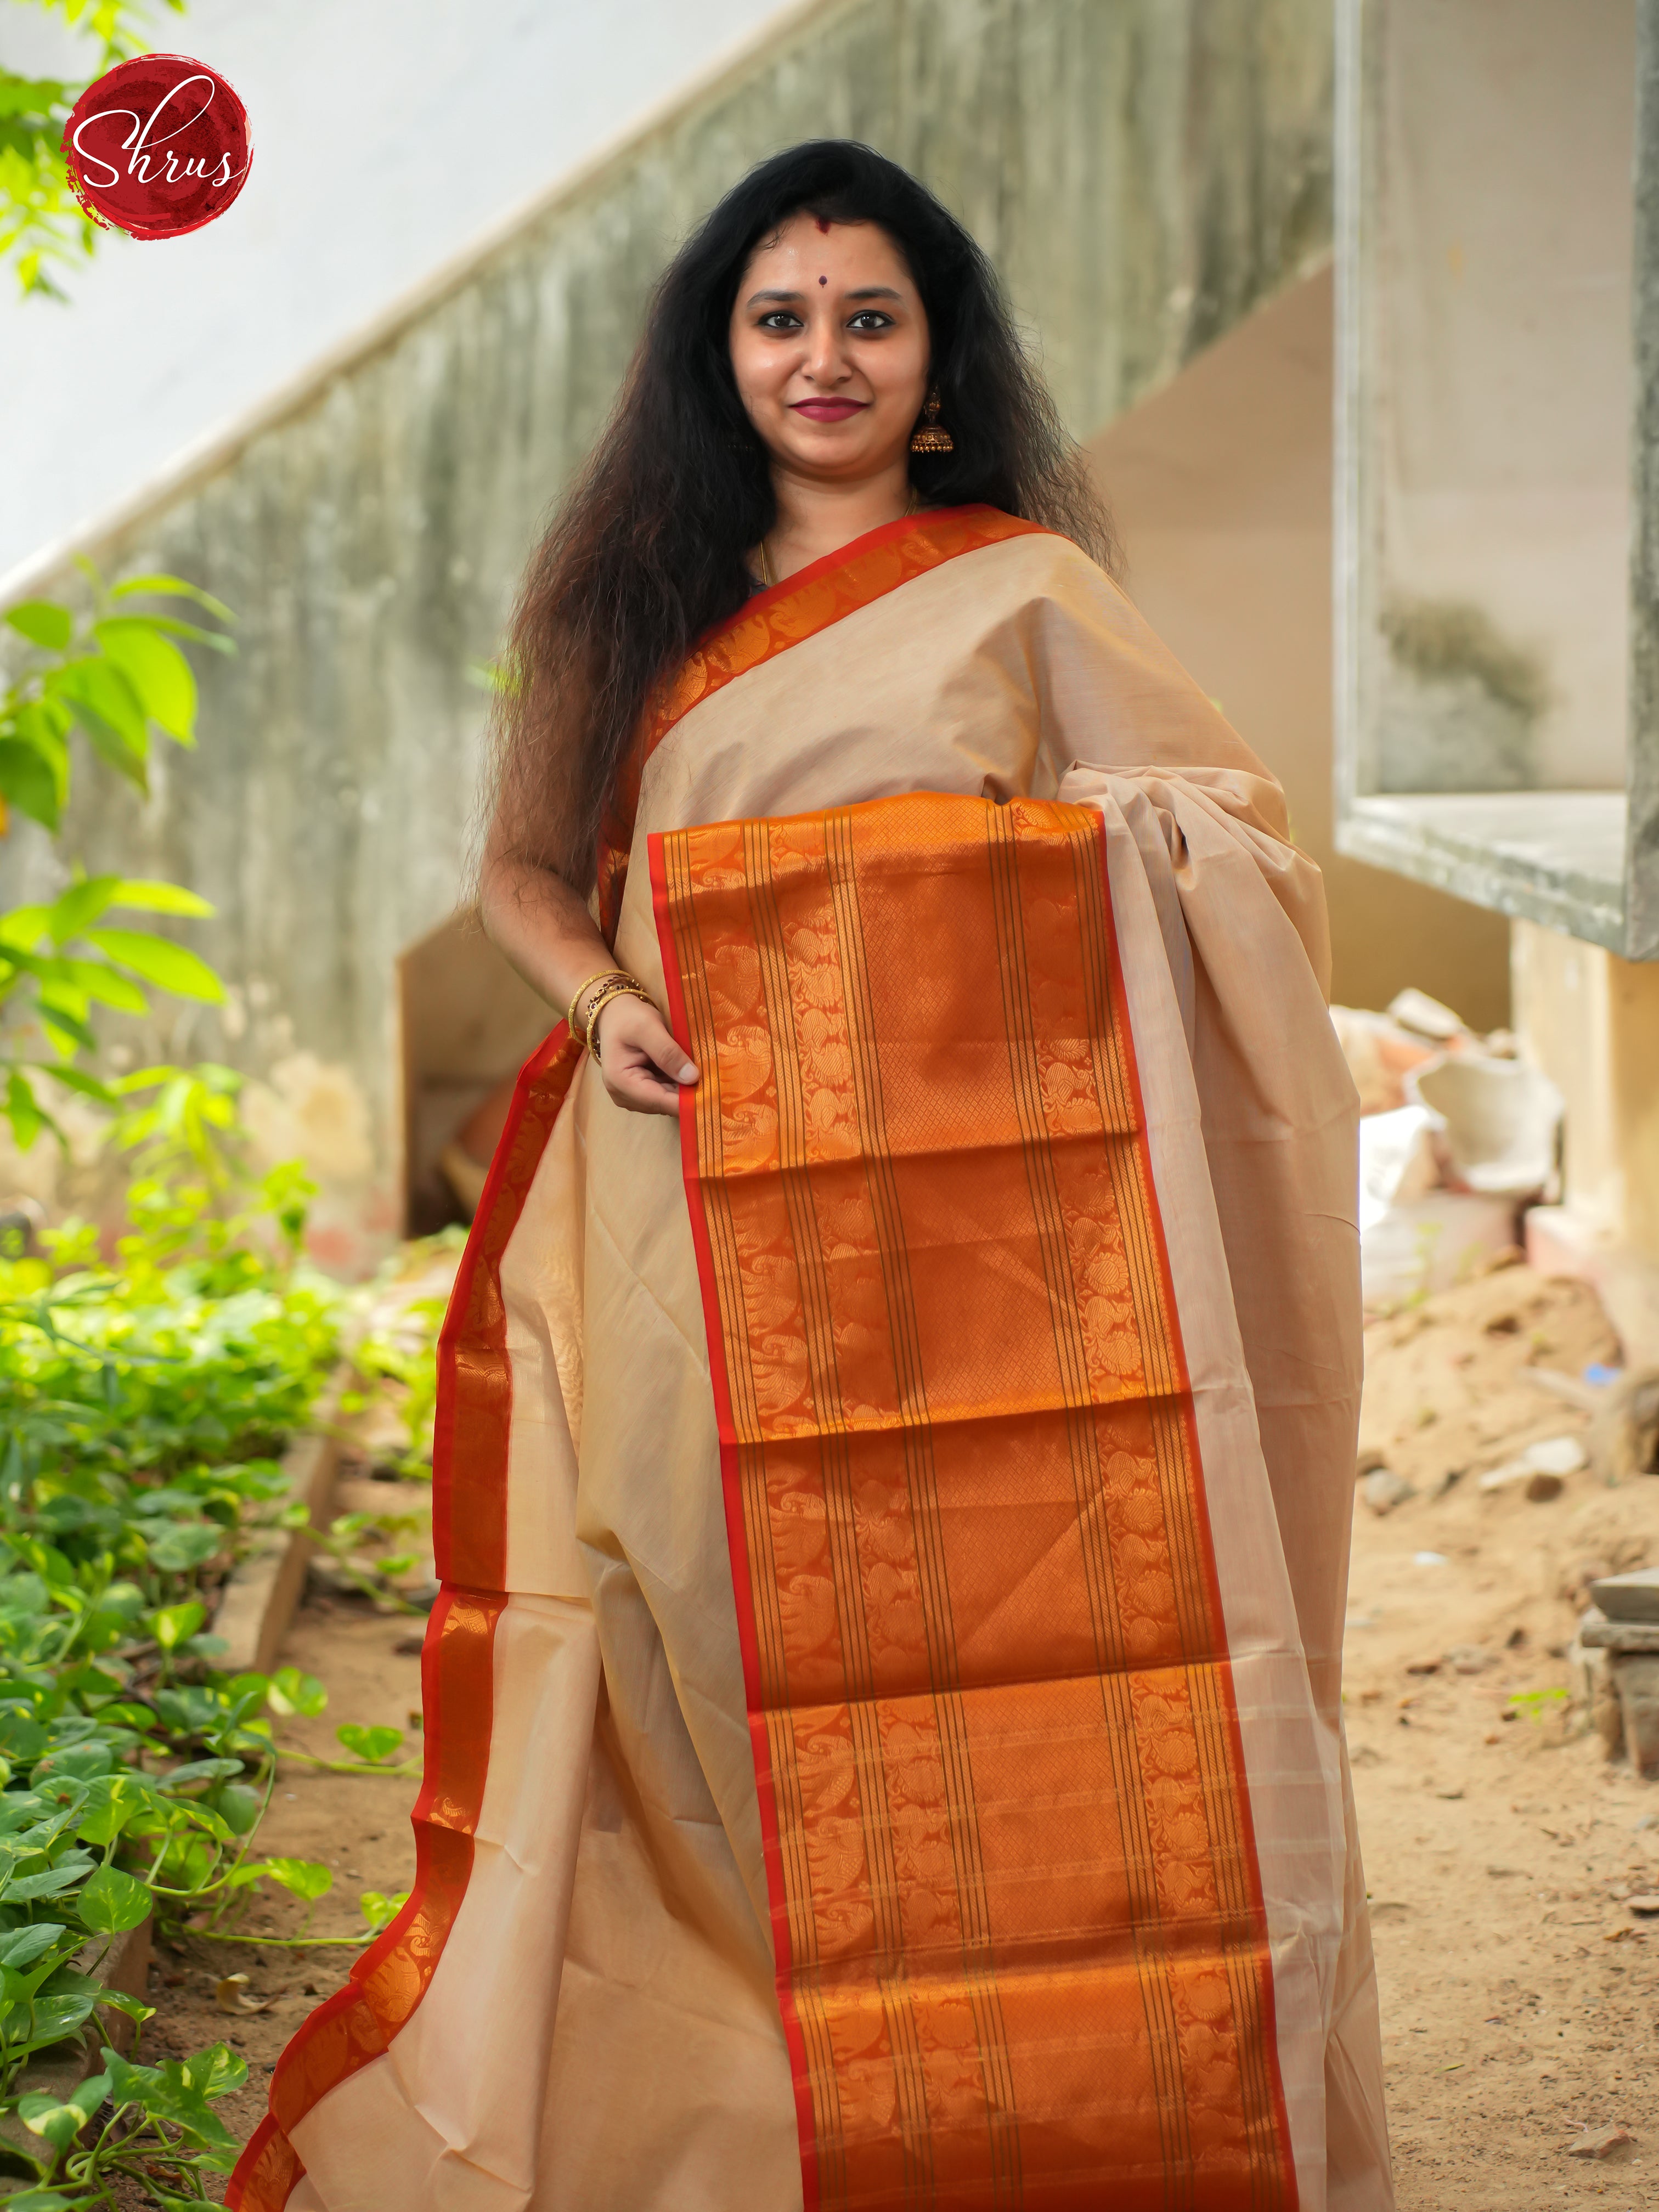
{"x":1557,"y":1456}
{"x":1498,"y":1118}
{"x":1415,"y":1010}
{"x":1396,"y":1161}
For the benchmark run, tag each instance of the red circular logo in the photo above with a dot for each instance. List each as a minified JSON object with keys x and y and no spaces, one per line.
{"x":159,"y":145}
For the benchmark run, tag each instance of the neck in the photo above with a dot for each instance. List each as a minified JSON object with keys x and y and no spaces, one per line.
{"x":816,"y":518}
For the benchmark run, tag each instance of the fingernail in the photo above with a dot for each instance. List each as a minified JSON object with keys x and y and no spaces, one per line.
{"x":688,"y":1073}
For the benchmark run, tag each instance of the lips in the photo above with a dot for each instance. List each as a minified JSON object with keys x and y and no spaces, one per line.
{"x":828,"y":410}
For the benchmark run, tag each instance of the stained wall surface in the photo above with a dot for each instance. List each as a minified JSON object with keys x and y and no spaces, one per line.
{"x":1145,"y":173}
{"x":386,"y":135}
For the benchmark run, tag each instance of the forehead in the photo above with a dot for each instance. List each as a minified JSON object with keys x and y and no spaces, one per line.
{"x":847,"y":253}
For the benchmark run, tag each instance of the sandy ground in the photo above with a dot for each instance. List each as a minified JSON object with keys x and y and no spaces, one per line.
{"x":1518,"y":1989}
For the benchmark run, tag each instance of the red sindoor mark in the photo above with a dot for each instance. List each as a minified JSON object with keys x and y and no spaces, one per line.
{"x":158,"y":146}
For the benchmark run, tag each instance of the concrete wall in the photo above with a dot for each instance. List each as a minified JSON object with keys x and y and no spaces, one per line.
{"x":1221,"y":483}
{"x":1146,"y":173}
{"x":1590,"y":1021}
{"x":387,"y":134}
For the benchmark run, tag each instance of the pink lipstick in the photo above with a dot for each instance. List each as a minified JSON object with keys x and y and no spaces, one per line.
{"x":828,"y":410}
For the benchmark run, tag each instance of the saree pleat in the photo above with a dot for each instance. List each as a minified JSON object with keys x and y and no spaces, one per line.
{"x":883,"y":1743}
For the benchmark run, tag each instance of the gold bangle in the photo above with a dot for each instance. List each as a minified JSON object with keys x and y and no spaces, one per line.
{"x":623,"y":987}
{"x":600,"y":975}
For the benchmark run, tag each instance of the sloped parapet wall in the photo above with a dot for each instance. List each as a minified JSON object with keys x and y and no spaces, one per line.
{"x":1144,"y":172}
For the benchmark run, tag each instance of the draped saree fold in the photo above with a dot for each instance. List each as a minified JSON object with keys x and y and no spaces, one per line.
{"x":884,"y":1746}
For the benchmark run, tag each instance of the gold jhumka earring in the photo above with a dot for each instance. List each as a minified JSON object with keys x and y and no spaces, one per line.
{"x":930,"y":434}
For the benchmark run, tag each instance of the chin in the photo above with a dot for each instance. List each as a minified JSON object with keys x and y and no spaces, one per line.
{"x":830,"y":444}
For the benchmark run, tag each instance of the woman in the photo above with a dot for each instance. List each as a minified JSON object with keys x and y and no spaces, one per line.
{"x":898,"y":1405}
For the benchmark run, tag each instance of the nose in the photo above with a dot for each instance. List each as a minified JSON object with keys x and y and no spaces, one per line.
{"x":826,"y":357}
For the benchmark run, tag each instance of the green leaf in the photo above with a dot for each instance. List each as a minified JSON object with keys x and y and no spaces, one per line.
{"x":173,"y":628}
{"x":38,"y":2200}
{"x":201,"y":1770}
{"x":170,"y":967}
{"x":22,"y":1738}
{"x":55,"y":2017}
{"x":238,"y":1807}
{"x":156,"y":670}
{"x":186,"y":1544}
{"x":132,"y":2008}
{"x":159,"y":898}
{"x":113,"y":1801}
{"x":29,"y":783}
{"x":24,"y":926}
{"x":41,"y":2111}
{"x":81,"y":1762}
{"x":290,"y":1692}
{"x":178,"y":2091}
{"x":24,"y":1946}
{"x":113,"y":1902}
{"x":98,"y":688}
{"x":172,"y":587}
{"x":43,"y":623}
{"x":379,"y":1910}
{"x":22,"y":1110}
{"x":74,"y":911}
{"x":109,"y":987}
{"x":303,"y":1877}
{"x":50,"y":1883}
{"x":45,"y":724}
{"x":370,"y":1744}
{"x":216,"y":2071}
{"x":171,"y":1624}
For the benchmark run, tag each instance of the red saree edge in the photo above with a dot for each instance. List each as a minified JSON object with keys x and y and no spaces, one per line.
{"x":1202,"y":1507}
{"x":738,"y":1546}
{"x":474,"y":1321}
{"x":266,"y":2172}
{"x":457,"y":1672}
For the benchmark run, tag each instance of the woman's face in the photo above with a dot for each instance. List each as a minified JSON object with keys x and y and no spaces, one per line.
{"x":829,"y":348}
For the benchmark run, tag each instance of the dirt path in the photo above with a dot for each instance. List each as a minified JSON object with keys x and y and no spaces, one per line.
{"x":1518,"y":1989}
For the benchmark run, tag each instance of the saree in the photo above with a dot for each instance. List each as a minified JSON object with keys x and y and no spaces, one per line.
{"x":883,"y":1743}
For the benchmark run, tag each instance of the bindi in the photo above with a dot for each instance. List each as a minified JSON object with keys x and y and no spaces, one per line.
{"x":822,"y":223}
{"x":823,"y":280}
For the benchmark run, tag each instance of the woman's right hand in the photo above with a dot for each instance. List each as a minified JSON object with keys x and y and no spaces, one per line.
{"x":643,"y":1068}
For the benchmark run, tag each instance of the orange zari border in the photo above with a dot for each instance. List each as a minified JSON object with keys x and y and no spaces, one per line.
{"x":1021,"y":1945}
{"x":356,"y":2025}
{"x":789,"y":613}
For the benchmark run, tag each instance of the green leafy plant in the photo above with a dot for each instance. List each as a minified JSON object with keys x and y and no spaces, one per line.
{"x":143,"y":1400}
{"x":1538,"y":1705}
{"x":116,"y":679}
{"x":42,"y":224}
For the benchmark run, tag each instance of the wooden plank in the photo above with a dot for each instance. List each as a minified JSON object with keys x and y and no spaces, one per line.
{"x":261,"y":1596}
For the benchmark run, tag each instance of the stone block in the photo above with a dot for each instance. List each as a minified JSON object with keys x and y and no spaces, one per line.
{"x":1628,"y":1597}
{"x":1638,"y":1677}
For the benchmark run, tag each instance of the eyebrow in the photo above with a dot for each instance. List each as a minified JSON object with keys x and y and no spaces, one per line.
{"x":864,"y":292}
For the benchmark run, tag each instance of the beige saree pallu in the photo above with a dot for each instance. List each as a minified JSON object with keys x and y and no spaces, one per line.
{"x":884,"y":1746}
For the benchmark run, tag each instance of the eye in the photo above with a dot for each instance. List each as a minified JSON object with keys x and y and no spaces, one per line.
{"x":780,"y":318}
{"x":871,"y":318}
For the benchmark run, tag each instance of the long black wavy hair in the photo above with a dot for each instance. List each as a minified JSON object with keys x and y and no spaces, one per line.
{"x":646,"y":551}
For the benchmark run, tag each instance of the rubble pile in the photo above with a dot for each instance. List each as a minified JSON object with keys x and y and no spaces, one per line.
{"x":1457,"y":1135}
